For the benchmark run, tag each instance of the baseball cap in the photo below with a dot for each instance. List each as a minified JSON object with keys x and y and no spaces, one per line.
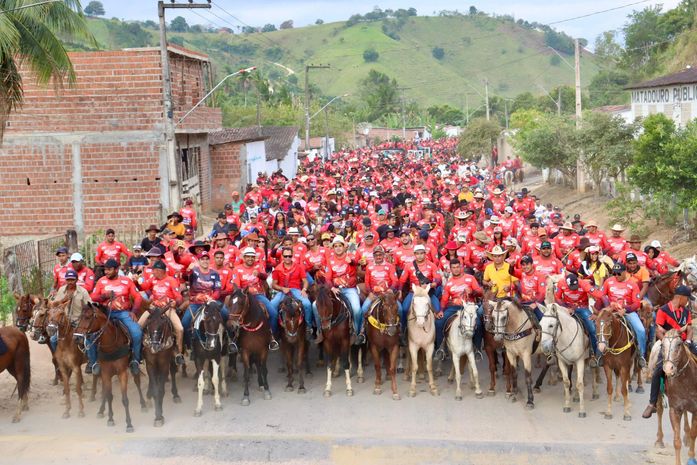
{"x":111,"y":263}
{"x":572,"y":281}
{"x":154,"y":252}
{"x":630,"y":257}
{"x":420,"y":248}
{"x":526,"y":259}
{"x":656,"y":244}
{"x":137,"y":247}
{"x":61,"y":250}
{"x":618,"y":268}
{"x":76,"y":257}
{"x":546,"y":245}
{"x":684,"y":291}
{"x":70,"y":274}
{"x":159,"y":265}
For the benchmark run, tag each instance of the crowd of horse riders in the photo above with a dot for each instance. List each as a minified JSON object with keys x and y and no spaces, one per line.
{"x":363,"y":225}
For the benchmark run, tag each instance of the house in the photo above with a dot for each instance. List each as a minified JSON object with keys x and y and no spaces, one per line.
{"x":674,"y":95}
{"x":369,"y":135}
{"x":93,"y":156}
{"x":238,"y":155}
{"x":623,"y":111}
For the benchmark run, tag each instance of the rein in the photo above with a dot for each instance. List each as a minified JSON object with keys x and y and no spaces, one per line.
{"x":615,"y":350}
{"x":690,"y":357}
{"x":558,"y":329}
{"x":517,"y":334}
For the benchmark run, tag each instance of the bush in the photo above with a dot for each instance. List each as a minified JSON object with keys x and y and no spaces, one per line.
{"x":554,"y":60}
{"x":438,"y":53}
{"x":7,"y":300}
{"x":371,"y":55}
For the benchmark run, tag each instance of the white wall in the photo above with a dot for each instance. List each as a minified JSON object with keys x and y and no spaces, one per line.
{"x":289,"y":164}
{"x":678,"y":102}
{"x":256,"y":160}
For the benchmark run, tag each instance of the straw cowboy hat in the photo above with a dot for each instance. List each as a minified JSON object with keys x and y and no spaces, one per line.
{"x":567,"y":225}
{"x":617,"y":227}
{"x":481,"y":237}
{"x":591,"y":223}
{"x":496,"y":251}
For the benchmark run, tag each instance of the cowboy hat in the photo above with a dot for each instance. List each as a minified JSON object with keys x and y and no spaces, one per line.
{"x":462,"y":215}
{"x":494,"y":220}
{"x":249,"y":251}
{"x":498,"y":191}
{"x":496,"y":251}
{"x":511,"y":241}
{"x":152,"y":227}
{"x":451,"y":245}
{"x":591,"y":223}
{"x":567,"y":225}
{"x":634,"y":239}
{"x":206,"y":247}
{"x":617,"y":227}
{"x":338,"y":240}
{"x":481,"y":237}
{"x":583,"y":244}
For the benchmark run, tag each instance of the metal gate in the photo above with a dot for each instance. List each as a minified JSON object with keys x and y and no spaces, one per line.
{"x":190,"y":173}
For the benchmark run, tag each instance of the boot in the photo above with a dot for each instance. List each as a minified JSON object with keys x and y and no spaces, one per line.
{"x":232,"y":342}
{"x":308,"y":334}
{"x":320,"y":337}
{"x":360,"y":338}
{"x":273,"y":345}
{"x":440,"y":353}
{"x":642,"y":361}
{"x":179,"y":359}
{"x":88,"y":369}
{"x":134,"y":366}
{"x":599,"y":360}
{"x":650,"y":410}
{"x":593,"y":362}
{"x":96,"y":369}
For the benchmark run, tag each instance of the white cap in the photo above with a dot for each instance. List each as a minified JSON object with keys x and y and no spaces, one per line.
{"x":76,"y":257}
{"x":462,"y":237}
{"x":655,"y":243}
{"x":420,"y":247}
{"x":338,"y":240}
{"x":249,"y":251}
{"x":508,"y":209}
{"x":293,"y":230}
{"x":511,"y":241}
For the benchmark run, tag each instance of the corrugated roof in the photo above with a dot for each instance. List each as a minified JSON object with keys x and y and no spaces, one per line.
{"x":278,"y":139}
{"x":686,"y":76}
{"x":612,"y":108}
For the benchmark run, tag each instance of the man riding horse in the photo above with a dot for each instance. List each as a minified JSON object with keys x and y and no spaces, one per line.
{"x":380,"y":276}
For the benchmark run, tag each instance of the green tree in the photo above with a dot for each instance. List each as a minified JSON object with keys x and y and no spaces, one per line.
{"x":179,"y":24}
{"x":445,"y":114}
{"x":370,"y":55}
{"x":606,"y":47}
{"x":641,"y":35}
{"x":31,"y":37}
{"x":268,"y":28}
{"x":478,"y":138}
{"x":607,"y":88}
{"x":380,"y":95}
{"x":288,"y":24}
{"x":94,"y":8}
{"x":438,"y":53}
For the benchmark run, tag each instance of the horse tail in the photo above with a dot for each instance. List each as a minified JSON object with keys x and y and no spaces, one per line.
{"x":23,"y":365}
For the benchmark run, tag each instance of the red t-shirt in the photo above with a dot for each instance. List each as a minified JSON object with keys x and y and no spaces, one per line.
{"x":289,"y":277}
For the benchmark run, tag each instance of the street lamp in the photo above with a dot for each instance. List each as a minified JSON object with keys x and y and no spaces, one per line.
{"x":242,"y":71}
{"x":326,"y":136}
{"x":329,"y":103}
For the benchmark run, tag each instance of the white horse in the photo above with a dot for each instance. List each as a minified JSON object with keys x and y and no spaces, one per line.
{"x":421,"y":328}
{"x":460,"y":344}
{"x":688,"y":268}
{"x":563,"y":336}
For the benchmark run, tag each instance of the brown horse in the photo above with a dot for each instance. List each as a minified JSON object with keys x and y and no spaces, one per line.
{"x":113,"y":346}
{"x":382,"y":328}
{"x":25,"y":310}
{"x":615,"y":342}
{"x":662,"y":288}
{"x":16,"y":361}
{"x":646,"y":316}
{"x":334,"y":321}
{"x":492,"y":347}
{"x":39,"y":334}
{"x":293,"y":343}
{"x":252,"y":321}
{"x":68,"y":356}
{"x":158,"y":351}
{"x":680,"y":367}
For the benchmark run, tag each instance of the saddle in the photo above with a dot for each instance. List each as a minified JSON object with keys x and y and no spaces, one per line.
{"x":449,"y":324}
{"x":120,"y":351}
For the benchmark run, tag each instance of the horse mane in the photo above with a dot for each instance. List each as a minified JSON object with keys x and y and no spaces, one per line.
{"x":663,"y":277}
{"x":323,"y":297}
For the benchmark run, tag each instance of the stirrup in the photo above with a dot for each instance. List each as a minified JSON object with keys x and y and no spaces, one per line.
{"x":599,"y":361}
{"x":360,"y":339}
{"x":593,"y":362}
{"x":273,"y":345}
{"x":135,"y":367}
{"x":642,"y":361}
{"x":232,"y":348}
{"x":478,"y":357}
{"x":179,"y":359}
{"x":308,"y":334}
{"x":440,"y":354}
{"x":96,"y":369}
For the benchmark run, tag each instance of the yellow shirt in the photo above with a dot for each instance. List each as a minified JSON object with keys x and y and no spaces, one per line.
{"x":178,"y":229}
{"x":500,"y":278}
{"x":468,"y":196}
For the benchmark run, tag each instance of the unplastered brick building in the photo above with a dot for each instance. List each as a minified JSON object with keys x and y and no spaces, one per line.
{"x":92,"y":156}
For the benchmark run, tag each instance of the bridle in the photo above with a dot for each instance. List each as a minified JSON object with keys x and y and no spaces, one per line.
{"x":558,"y":329}
{"x":54,"y":327}
{"x":413,"y":316}
{"x":282,"y":317}
{"x":85,"y":344}
{"x":674,"y":343}
{"x":390,"y":327}
{"x":158,"y":335}
{"x":604,"y":337}
{"x":238,"y":318}
{"x":500,"y":329}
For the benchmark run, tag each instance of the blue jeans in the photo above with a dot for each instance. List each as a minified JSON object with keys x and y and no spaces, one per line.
{"x":366,"y":306}
{"x":351,"y":294}
{"x":53,"y":341}
{"x":133,"y":329}
{"x":639,"y":331}
{"x":307,"y":305}
{"x":406,"y":306}
{"x":478,"y":337}
{"x":585,"y":315}
{"x":440,"y":323}
{"x":188,"y":317}
{"x":310,"y":279}
{"x":272,"y":309}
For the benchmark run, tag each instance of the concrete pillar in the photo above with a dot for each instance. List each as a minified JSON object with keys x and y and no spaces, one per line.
{"x":78,"y":219}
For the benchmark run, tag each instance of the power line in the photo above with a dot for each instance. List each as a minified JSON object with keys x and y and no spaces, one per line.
{"x":597,"y":12}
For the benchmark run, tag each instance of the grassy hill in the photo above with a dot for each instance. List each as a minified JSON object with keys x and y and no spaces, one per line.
{"x":513,"y":58}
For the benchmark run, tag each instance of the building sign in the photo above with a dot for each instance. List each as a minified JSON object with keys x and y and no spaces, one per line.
{"x":670,"y":94}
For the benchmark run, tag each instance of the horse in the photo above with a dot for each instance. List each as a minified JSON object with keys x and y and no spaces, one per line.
{"x":421,"y":330}
{"x":491,"y":346}
{"x":514,"y":328}
{"x":459,"y":333}
{"x":563,"y":336}
{"x":158,"y":351}
{"x":382,"y":330}
{"x":207,"y":347}
{"x":39,"y":334}
{"x":662,"y":288}
{"x":114,"y":346}
{"x":68,"y":356}
{"x":646,"y":316}
{"x":24,"y":310}
{"x":680,"y":368}
{"x":616,"y":343}
{"x":17,"y":362}
{"x":252,"y":320}
{"x":293,"y":343}
{"x":335,"y":322}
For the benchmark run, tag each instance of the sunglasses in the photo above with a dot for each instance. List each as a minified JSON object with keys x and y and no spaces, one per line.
{"x":287,"y":256}
{"x":311,"y":239}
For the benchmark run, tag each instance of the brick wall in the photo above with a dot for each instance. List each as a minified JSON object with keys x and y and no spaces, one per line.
{"x":227,"y":177}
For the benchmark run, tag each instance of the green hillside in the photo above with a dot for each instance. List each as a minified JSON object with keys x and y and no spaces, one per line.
{"x":513,"y":58}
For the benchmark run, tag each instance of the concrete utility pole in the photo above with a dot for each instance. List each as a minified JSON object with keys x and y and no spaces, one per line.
{"x":404,"y":119}
{"x":486,"y":90}
{"x":172,"y":200}
{"x":580,"y":174}
{"x":327,"y":152}
{"x":307,"y":101}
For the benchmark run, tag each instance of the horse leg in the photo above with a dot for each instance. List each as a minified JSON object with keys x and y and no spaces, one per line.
{"x":512,"y":386}
{"x":359,"y":372}
{"x":172,"y":374}
{"x":65,"y":375}
{"x":216,"y":385}
{"x":491,"y":358}
{"x":300,"y":358}
{"x":691,"y":442}
{"x":616,"y":397}
{"x":474,"y":374}
{"x":414,"y":365}
{"x":93,"y":394}
{"x":659,"y":417}
{"x":675,"y":420}
{"x":580,"y":368}
{"x":109,"y":396}
{"x":123,"y":382}
{"x":78,"y":390}
{"x":200,"y":384}
{"x":541,"y":377}
{"x":595,"y":382}
{"x":624,"y":376}
{"x":347,"y":371}
{"x":245,"y":362}
{"x":458,"y":374}
{"x":429,"y":367}
{"x":377,"y":390}
{"x":328,"y":363}
{"x":288,"y":355}
{"x":392,"y":369}
{"x":222,"y":376}
{"x":608,"y":377}
{"x":143,"y":404}
{"x":639,"y":380}
{"x":264,"y":375}
{"x":527,"y":366}
{"x":686,"y":423}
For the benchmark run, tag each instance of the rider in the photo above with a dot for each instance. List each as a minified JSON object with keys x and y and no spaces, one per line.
{"x":73,"y":297}
{"x":573,"y":294}
{"x":60,"y":269}
{"x":341,"y":275}
{"x":164,"y":293}
{"x":460,"y":288}
{"x":110,"y":248}
{"x":121,"y":297}
{"x":622,"y":296}
{"x":85,"y":276}
{"x":289,"y":278}
{"x":420,"y":272}
{"x":673,"y":315}
{"x":380,"y":276}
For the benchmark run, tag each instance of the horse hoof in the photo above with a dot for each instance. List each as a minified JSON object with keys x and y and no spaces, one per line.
{"x":289,"y":388}
{"x":100,"y":414}
{"x":377,"y":391}
{"x":267,"y":395}
{"x":15,"y":419}
{"x":81,"y":415}
{"x":110,"y":423}
{"x":349,"y":393}
{"x":630,"y":389}
{"x":608,"y":416}
{"x":218,"y":408}
{"x":301,"y":390}
{"x":536,"y":390}
{"x":434,"y":392}
{"x":567,"y":410}
{"x":639,"y":390}
{"x":458,"y":397}
{"x":143,"y":408}
{"x":479,"y":395}
{"x":327,"y":393}
{"x":177,"y":400}
{"x":627,"y":418}
{"x":400,"y":370}
{"x":129,"y":429}
{"x":595,"y":397}
{"x":197,"y":413}
{"x":158,"y":423}
{"x":582,"y":414}
{"x":66,"y":415}
{"x":396,"y":397}
{"x":509,"y":395}
{"x":659,"y":444}
{"x":245,"y":401}
{"x":412,"y":393}
{"x":529,"y":406}
{"x":490,"y":393}
{"x":360,"y":379}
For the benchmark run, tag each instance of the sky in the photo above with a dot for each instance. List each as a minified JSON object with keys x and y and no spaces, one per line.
{"x":303,"y":12}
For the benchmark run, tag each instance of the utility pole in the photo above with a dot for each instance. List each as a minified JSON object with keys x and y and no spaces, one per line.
{"x":505,"y":107}
{"x":467,"y":108}
{"x":172,"y":200}
{"x":486,"y":90}
{"x":559,"y":102}
{"x":580,"y":174}
{"x":404,"y":119}
{"x":307,"y":101}
{"x":326,"y":132}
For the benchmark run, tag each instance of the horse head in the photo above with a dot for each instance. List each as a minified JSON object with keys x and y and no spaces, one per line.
{"x":93,"y":319}
{"x":211,"y":324}
{"x":421,"y":304}
{"x":671,"y":347}
{"x":157,"y":328}
{"x":290,"y":314}
{"x":239,"y":306}
{"x":500,"y":317}
{"x":550,"y":325}
{"x":25,"y":310}
{"x":39,"y":320}
{"x":57,"y":321}
{"x":388,"y":312}
{"x":603,"y":328}
{"x":325,"y":306}
{"x":688,"y":268}
{"x":468,"y":320}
